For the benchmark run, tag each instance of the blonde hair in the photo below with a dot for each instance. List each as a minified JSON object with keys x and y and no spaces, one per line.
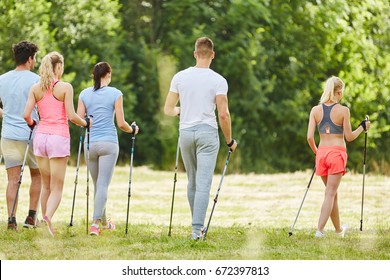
{"x":47,"y":70}
{"x":204,"y":47}
{"x":332,"y":85}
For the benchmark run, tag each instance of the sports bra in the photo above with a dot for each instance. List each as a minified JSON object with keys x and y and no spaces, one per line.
{"x":326,"y":126}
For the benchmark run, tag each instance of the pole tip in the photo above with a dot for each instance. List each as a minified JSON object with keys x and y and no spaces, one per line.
{"x":289,"y":234}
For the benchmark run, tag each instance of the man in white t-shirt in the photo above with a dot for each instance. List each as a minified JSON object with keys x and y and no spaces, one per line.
{"x":200,"y":91}
{"x":14,"y":89}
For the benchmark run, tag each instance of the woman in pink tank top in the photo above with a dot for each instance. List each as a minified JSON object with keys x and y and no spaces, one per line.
{"x":51,"y":141}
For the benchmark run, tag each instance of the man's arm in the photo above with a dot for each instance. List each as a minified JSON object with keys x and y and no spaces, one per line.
{"x":170,"y":107}
{"x":224,"y":119}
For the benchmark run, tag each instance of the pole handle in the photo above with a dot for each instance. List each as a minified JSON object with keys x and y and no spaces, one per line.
{"x":366,"y":119}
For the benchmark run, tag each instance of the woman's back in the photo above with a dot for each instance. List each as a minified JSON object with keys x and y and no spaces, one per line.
{"x":330,"y":130}
{"x":100,"y":104}
{"x":51,"y":108}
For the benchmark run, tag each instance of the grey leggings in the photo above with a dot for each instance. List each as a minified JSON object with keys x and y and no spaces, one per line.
{"x":102,"y":160}
{"x":199,"y":148}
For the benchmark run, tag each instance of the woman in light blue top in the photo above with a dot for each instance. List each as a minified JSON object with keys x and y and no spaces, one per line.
{"x":103,"y":103}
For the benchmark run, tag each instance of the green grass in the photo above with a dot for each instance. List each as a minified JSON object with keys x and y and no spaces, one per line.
{"x":251,"y":221}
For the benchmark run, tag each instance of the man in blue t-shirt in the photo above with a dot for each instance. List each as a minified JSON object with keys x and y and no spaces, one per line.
{"x":14,"y":88}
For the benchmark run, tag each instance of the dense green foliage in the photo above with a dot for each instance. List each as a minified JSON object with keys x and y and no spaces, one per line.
{"x":274,"y":54}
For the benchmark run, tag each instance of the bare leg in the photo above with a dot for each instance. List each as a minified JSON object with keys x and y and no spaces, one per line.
{"x":57,"y":176}
{"x":13,"y":174}
{"x":332,"y":184}
{"x":334,"y":216}
{"x":44,"y":167}
{"x":35,"y":189}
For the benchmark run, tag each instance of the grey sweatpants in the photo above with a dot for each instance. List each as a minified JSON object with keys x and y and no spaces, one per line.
{"x":199,"y":148}
{"x":102,"y":160}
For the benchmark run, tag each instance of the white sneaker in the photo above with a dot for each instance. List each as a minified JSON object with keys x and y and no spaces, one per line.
{"x":198,"y":235}
{"x":195,"y":236}
{"x":344,"y":229}
{"x":319,"y":234}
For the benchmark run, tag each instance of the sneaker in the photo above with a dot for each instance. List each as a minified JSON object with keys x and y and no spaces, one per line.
{"x":94,"y":231}
{"x":196,"y":236}
{"x":203,"y":231}
{"x":12,"y":226}
{"x":319,"y":234}
{"x":29,"y":222}
{"x":344,"y":229}
{"x":110,"y":226}
{"x":49,"y":227}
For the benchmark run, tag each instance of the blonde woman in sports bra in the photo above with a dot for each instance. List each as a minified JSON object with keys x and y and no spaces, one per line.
{"x":333,"y":122}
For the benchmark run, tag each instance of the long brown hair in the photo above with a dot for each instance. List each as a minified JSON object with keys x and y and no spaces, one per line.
{"x":100,"y":70}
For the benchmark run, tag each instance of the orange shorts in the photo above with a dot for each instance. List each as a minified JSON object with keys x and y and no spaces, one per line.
{"x":331,"y":160}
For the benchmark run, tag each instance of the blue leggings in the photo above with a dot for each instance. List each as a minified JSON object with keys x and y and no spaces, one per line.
{"x":199,"y":148}
{"x":102,"y":160}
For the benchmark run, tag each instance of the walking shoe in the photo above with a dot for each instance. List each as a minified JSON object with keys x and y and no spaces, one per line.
{"x":200,"y":235}
{"x":29,"y":222}
{"x":110,"y":226}
{"x":94,"y":230}
{"x":344,"y":229}
{"x":203,"y":231}
{"x":12,"y":226}
{"x":319,"y":234}
{"x":195,"y":236}
{"x":49,"y":227}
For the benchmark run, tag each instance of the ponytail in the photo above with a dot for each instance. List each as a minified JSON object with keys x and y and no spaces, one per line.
{"x":331,"y":86}
{"x":47,"y":70}
{"x":100,"y":70}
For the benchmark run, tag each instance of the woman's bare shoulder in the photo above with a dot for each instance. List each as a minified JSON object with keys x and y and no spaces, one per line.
{"x":36,"y":87}
{"x":316,"y":108}
{"x":64,"y":86}
{"x":343,"y":108}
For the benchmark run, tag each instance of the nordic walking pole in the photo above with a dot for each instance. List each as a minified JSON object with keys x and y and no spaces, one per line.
{"x":87,"y":193}
{"x":174,"y":183}
{"x":133,"y":126}
{"x":364,"y":173}
{"x":296,"y":218}
{"x":77,"y":175}
{"x":216,"y":196}
{"x":21,"y":175}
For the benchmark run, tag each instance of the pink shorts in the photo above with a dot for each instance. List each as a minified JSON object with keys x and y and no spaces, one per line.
{"x":51,"y":146}
{"x":331,"y":160}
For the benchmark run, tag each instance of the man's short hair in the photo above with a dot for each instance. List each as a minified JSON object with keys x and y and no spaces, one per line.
{"x":204,"y":47}
{"x":23,"y":50}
